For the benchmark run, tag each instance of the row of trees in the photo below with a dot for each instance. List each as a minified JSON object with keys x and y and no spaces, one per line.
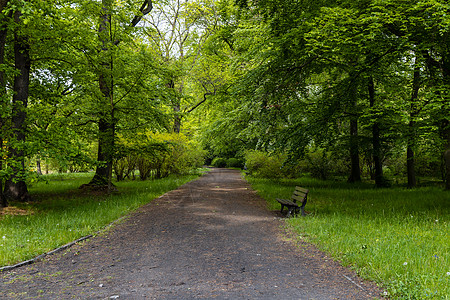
{"x":368,"y":80}
{"x":365,"y":80}
{"x":75,"y":74}
{"x":66,"y":65}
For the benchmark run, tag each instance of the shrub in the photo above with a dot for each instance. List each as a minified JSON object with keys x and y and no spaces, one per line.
{"x":157,"y":155}
{"x":219,"y":162}
{"x":264,"y":165}
{"x":234,"y":163}
{"x":321,"y":164}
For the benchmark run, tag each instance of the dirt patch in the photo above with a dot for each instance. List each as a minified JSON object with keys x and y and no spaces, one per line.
{"x":14,"y":211}
{"x":210,"y":239}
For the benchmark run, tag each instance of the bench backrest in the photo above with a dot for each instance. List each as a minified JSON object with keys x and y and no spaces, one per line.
{"x":300,"y":194}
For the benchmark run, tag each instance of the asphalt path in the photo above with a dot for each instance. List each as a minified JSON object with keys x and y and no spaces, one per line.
{"x":212,"y":238}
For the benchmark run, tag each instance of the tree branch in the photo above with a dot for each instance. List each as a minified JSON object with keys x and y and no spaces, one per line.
{"x":201,"y":102}
{"x":146,"y":7}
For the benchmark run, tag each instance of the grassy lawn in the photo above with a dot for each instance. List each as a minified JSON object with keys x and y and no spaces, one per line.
{"x":397,"y":237}
{"x":61,"y":213}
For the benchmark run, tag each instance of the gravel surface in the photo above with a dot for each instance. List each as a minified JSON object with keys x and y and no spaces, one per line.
{"x":211,"y":238}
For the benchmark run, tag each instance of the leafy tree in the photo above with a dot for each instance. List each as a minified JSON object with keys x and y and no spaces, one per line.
{"x":311,"y":70}
{"x":15,"y":185}
{"x":106,"y":109}
{"x":178,"y":31}
{"x":425,"y":26}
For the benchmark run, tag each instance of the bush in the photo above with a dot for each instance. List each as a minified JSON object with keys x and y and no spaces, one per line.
{"x":234,"y":163}
{"x":321,"y":164}
{"x":158,"y":155}
{"x":264,"y":165}
{"x":219,"y":162}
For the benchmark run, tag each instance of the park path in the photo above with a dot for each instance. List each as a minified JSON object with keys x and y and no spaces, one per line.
{"x":211,"y":238}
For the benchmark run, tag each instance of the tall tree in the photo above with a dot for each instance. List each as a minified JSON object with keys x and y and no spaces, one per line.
{"x":424,"y":24}
{"x":15,"y":186}
{"x":411,"y":136}
{"x":376,"y":139}
{"x":178,"y":31}
{"x":354,"y":148}
{"x":107,"y":120}
{"x":3,"y":93}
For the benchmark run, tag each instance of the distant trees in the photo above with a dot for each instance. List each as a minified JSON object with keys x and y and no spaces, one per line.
{"x":178,"y":31}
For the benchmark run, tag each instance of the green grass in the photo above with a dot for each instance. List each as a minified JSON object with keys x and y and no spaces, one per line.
{"x":396,"y":237}
{"x":61,"y":213}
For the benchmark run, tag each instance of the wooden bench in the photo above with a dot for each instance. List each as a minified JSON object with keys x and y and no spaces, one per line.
{"x":300,"y":195}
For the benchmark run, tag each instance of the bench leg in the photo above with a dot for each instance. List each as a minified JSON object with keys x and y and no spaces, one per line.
{"x":289,"y":212}
{"x":303,"y":207}
{"x":303,"y":211}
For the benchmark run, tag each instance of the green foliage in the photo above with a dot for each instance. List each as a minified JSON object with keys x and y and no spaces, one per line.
{"x":302,"y":72}
{"x":264,"y":165}
{"x":318,"y":163}
{"x":219,"y":162}
{"x":396,"y":237}
{"x":235,"y":163}
{"x":157,"y":155}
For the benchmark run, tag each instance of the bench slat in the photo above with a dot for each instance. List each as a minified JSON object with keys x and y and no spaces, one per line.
{"x":300,"y":194}
{"x":298,"y":188}
{"x":299,"y":198}
{"x":287,"y":202}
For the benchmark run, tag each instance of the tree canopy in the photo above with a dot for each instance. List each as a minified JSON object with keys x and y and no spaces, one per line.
{"x":364,"y":84}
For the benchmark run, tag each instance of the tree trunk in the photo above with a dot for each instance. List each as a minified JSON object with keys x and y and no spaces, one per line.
{"x":446,"y":132}
{"x":103,"y":156}
{"x":3,"y":95}
{"x":410,"y":163}
{"x":446,"y":117}
{"x":177,"y":118}
{"x":411,"y":141}
{"x":38,"y":167}
{"x":355,"y":172}
{"x":107,"y":122}
{"x":15,"y":186}
{"x":376,"y":140}
{"x":175,"y":106}
{"x":103,"y":171}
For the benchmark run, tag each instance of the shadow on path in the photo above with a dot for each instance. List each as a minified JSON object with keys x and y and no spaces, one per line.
{"x":211,"y":238}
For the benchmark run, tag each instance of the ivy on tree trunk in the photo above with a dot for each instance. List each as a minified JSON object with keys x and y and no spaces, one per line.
{"x":102,"y":175}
